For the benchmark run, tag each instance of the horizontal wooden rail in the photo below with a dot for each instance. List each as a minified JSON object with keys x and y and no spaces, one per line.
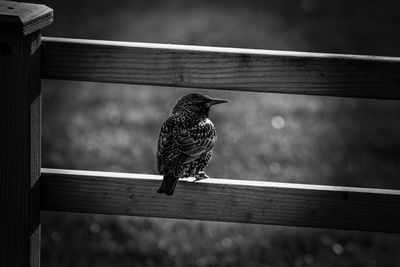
{"x":221,"y":68}
{"x":223,"y":200}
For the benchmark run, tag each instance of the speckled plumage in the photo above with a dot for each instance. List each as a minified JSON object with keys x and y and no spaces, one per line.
{"x":186,"y":140}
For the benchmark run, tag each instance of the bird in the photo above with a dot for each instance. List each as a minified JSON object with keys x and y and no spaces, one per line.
{"x":186,"y":140}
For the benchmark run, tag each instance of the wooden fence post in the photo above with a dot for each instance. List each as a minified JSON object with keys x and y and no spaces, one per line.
{"x":20,"y":105}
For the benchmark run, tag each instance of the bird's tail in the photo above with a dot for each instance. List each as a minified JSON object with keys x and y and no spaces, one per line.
{"x":168,"y":184}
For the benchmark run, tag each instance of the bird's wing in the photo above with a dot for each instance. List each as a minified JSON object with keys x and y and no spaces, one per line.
{"x":185,"y":145}
{"x":197,"y":140}
{"x":165,"y":144}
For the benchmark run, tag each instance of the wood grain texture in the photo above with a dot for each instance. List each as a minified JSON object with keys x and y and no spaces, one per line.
{"x":20,"y":118}
{"x":20,"y":152}
{"x":24,"y":18}
{"x":222,"y":68}
{"x":35,"y":101}
{"x":223,"y":200}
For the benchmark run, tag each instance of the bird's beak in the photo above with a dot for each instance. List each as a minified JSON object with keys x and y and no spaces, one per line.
{"x":214,"y":101}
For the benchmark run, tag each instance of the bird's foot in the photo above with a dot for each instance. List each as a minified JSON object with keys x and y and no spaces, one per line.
{"x":200,"y":176}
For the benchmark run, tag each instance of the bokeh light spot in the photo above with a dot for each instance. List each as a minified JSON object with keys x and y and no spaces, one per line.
{"x":162,"y":244}
{"x":337,"y":248}
{"x":275,"y":167}
{"x":114,"y":116}
{"x":278,"y":122}
{"x":95,"y":228}
{"x":172,"y":251}
{"x":227,"y":242}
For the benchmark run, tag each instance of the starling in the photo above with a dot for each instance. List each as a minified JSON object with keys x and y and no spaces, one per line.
{"x":186,"y":140}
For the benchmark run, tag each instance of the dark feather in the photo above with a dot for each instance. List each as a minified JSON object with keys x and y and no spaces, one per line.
{"x":168,"y":184}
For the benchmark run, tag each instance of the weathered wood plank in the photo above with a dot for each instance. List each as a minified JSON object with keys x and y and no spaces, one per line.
{"x":24,"y":18}
{"x":20,"y":152}
{"x":223,"y":200}
{"x":20,"y":118}
{"x":222,"y":68}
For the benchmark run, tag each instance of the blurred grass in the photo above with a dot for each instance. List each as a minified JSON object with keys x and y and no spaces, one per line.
{"x":306,"y":139}
{"x":106,"y":241}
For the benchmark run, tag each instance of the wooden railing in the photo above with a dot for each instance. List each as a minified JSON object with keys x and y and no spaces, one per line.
{"x":26,"y":58}
{"x":221,"y":68}
{"x":228,"y":200}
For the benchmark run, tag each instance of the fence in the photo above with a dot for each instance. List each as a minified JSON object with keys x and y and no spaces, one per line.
{"x":26,"y":189}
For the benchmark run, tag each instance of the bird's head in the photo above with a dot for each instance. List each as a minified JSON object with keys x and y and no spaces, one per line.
{"x":197,"y":104}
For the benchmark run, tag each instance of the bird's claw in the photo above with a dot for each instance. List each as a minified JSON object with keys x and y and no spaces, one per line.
{"x":200,"y":176}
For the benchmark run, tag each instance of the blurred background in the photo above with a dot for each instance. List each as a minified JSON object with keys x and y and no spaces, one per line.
{"x":272,"y":137}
